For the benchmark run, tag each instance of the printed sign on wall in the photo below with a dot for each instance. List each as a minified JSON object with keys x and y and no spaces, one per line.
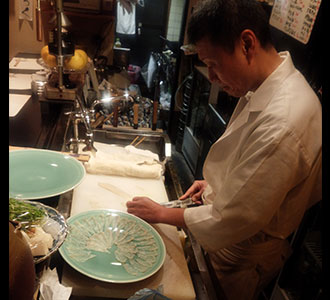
{"x":295,"y":17}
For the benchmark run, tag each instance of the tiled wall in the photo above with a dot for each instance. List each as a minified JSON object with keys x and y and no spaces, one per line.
{"x":174,"y":22}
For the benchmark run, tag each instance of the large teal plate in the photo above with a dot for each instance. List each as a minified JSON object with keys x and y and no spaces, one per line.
{"x":37,"y":174}
{"x":113,"y":246}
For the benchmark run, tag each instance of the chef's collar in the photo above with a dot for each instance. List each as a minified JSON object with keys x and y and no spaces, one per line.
{"x":248,"y":95}
{"x":259,"y":99}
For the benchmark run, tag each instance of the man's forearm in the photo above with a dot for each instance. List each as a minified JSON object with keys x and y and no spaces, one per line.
{"x":152,"y":212}
{"x":173,"y":216}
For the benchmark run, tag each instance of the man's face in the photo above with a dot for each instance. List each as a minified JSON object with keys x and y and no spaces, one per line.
{"x":229,"y":70}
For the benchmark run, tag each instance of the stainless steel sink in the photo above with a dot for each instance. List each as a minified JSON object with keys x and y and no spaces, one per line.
{"x":153,"y":140}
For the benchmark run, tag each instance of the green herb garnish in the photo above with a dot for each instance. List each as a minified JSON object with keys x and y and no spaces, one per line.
{"x":25,"y":213}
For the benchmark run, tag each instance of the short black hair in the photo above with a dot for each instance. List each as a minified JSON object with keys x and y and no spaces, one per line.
{"x":222,"y":21}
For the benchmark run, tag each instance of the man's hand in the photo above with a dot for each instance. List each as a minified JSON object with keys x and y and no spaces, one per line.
{"x":195,"y":191}
{"x":152,"y":212}
{"x":146,"y":209}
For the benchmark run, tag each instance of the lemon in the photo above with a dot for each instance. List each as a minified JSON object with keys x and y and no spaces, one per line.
{"x":49,"y":59}
{"x":78,"y":61}
{"x":83,"y":54}
{"x":44,"y":52}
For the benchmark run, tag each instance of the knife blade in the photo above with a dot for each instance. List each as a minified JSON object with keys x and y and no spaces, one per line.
{"x":178,"y":203}
{"x":170,"y":204}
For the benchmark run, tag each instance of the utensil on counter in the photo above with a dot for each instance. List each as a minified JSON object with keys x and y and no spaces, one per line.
{"x":136,"y":115}
{"x":115,"y":115}
{"x":99,"y":119}
{"x":108,"y":117}
{"x":179,"y":203}
{"x":154,"y":115}
{"x":171,"y":204}
{"x":135,"y":142}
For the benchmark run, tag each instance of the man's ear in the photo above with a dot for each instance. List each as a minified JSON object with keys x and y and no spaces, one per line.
{"x":248,"y":44}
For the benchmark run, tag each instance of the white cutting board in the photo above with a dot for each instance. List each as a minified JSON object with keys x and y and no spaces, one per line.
{"x":89,"y":195}
{"x":173,"y":276}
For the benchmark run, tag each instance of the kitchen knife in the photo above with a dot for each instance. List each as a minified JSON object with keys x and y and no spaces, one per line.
{"x":136,"y":115}
{"x":115,"y":115}
{"x":178,"y":203}
{"x":154,"y":115}
{"x":175,"y":203}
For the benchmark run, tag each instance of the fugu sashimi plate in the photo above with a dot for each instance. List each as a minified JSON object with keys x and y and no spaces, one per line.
{"x":113,"y":246}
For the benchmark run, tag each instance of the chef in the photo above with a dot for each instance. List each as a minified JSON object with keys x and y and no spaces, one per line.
{"x":264,"y":172}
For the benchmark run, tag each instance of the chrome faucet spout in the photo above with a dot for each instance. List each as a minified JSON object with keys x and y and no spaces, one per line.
{"x":85,"y":115}
{"x":94,"y":104}
{"x":81,"y":115}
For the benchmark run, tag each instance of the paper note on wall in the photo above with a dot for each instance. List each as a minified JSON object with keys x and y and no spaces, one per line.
{"x":295,"y":17}
{"x":25,"y":10}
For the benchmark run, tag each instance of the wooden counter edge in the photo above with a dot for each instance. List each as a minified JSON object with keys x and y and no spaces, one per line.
{"x":80,"y":157}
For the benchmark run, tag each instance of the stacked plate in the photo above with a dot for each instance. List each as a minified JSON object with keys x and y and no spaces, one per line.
{"x":38,"y":174}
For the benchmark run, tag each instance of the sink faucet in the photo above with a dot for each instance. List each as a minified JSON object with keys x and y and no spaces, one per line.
{"x":81,"y":114}
{"x":86,"y":116}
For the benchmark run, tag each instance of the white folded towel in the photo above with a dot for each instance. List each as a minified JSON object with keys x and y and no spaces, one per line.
{"x":127,"y":161}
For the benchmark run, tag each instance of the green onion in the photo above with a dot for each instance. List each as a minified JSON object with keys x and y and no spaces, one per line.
{"x":25,"y":213}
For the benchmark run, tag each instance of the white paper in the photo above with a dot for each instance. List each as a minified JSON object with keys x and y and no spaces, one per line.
{"x":25,"y":64}
{"x":19,"y":81}
{"x":16,"y":102}
{"x":50,"y":287}
{"x":25,"y":10}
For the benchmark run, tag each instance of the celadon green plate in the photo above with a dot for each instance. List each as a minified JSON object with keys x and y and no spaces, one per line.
{"x":113,"y":246}
{"x":37,"y":174}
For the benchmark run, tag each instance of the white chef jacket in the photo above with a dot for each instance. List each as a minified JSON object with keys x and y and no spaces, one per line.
{"x":264,"y":171}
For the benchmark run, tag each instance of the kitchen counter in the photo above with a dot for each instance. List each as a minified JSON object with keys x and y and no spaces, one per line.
{"x":37,"y":124}
{"x":174,"y":275}
{"x":43,"y":124}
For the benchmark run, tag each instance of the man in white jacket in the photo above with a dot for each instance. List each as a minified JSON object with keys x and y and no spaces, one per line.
{"x":264,"y":172}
